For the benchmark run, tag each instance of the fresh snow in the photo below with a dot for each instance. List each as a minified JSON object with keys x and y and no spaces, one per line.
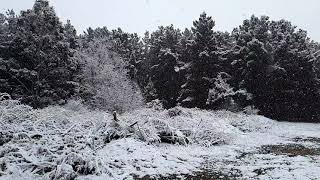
{"x":71,"y":139}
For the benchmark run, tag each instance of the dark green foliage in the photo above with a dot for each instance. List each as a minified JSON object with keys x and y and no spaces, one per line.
{"x":203,"y":65}
{"x":275,"y":63}
{"x":272,"y":66}
{"x":267,"y":64}
{"x":164,"y":76}
{"x":162,"y":58}
{"x":35,"y":55}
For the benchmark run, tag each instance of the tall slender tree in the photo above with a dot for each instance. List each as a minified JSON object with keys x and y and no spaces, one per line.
{"x":163,"y":56}
{"x":203,"y":64}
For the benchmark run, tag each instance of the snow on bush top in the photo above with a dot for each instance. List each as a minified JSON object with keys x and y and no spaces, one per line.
{"x":201,"y":126}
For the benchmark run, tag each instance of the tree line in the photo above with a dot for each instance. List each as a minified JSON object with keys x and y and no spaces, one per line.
{"x":269,"y":65}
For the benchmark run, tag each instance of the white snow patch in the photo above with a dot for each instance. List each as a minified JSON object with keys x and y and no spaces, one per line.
{"x":130,"y":156}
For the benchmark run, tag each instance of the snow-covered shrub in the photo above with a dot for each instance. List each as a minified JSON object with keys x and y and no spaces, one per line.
{"x":250,"y":123}
{"x":12,"y":114}
{"x":63,"y":171}
{"x":176,"y":111}
{"x":250,"y":110}
{"x":192,"y":125}
{"x":223,"y":96}
{"x":155,"y":104}
{"x":104,"y":79}
{"x":47,"y":142}
{"x":75,"y":105}
{"x":221,"y":89}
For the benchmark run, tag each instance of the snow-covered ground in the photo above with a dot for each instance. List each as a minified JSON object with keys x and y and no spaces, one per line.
{"x":70,"y":142}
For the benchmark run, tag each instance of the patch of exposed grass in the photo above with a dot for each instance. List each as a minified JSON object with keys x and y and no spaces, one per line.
{"x":290,"y":150}
{"x":262,"y":171}
{"x":202,"y":175}
{"x":307,"y":139}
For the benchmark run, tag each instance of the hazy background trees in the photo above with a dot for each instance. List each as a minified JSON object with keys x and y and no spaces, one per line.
{"x":269,"y":65}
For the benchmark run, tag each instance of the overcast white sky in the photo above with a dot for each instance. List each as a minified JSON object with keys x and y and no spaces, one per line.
{"x":141,"y":15}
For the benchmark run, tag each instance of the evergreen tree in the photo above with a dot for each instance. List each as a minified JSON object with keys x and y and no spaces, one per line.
{"x":274,"y":62}
{"x":184,"y":45}
{"x":35,"y":51}
{"x":298,"y":96}
{"x":163,"y":58}
{"x":71,"y":35}
{"x":203,"y":65}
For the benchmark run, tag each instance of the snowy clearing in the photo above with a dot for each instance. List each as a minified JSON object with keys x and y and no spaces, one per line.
{"x":70,"y":143}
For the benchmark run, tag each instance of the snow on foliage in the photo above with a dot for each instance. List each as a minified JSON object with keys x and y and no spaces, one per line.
{"x":222,"y":93}
{"x":72,"y":142}
{"x":105,"y":77}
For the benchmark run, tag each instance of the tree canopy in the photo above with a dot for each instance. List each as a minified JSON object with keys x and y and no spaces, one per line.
{"x":269,"y":65}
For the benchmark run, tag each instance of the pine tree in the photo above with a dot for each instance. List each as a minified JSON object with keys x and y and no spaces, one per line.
{"x":275,"y":63}
{"x":203,"y":64}
{"x":163,"y":59}
{"x":35,"y":54}
{"x":299,"y":94}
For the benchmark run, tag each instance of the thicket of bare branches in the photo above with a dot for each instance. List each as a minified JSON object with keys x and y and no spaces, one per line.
{"x":105,"y":78}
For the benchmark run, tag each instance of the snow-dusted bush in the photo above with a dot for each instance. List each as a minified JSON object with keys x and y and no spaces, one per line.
{"x":222,"y":94}
{"x":50,"y":143}
{"x":105,"y":79}
{"x":221,"y":89}
{"x":75,"y":105}
{"x":12,"y":114}
{"x":155,"y":104}
{"x":249,"y":123}
{"x":194,"y":125}
{"x":191,"y":125}
{"x":250,"y":110}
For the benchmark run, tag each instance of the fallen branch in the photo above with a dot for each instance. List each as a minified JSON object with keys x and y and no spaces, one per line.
{"x":133,"y":124}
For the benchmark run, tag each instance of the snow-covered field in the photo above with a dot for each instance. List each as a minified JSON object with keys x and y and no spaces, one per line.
{"x":72,"y":142}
